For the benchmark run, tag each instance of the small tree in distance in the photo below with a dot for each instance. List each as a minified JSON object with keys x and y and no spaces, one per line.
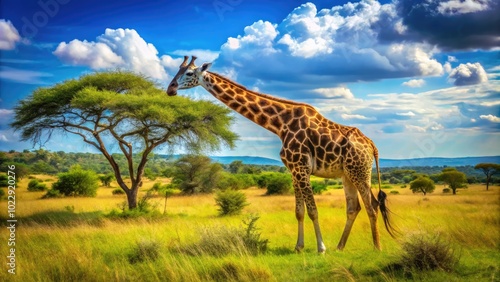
{"x":422,"y":184}
{"x":454,"y":178}
{"x":489,"y":170}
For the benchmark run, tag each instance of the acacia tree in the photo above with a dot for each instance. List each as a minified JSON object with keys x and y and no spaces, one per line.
{"x":489,"y":170}
{"x":422,"y":184}
{"x":124,"y":110}
{"x":454,"y":178}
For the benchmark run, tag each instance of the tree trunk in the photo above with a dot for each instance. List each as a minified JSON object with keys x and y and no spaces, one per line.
{"x":132,"y":198}
{"x":487,"y":183}
{"x":454,"y":191}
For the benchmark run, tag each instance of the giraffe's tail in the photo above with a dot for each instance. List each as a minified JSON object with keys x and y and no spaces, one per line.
{"x":382,"y":199}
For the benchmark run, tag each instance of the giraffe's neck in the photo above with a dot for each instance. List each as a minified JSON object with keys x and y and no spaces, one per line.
{"x":262,"y":109}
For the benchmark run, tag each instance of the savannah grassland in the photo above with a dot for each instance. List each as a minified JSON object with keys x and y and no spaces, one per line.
{"x":70,"y":239}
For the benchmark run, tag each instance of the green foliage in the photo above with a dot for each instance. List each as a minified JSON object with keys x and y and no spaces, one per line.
{"x":235,"y":181}
{"x":35,"y":186}
{"x":118,"y":191}
{"x":394,"y":192}
{"x":455,"y":179}
{"x":77,"y":182}
{"x":423,"y":253}
{"x":4,"y":180}
{"x":106,"y":179}
{"x":230,"y":202}
{"x":318,"y":187}
{"x":2,"y":193}
{"x":52,"y":193}
{"x":422,"y":184}
{"x":235,"y":166}
{"x":446,"y":190}
{"x":489,"y":169}
{"x":276,"y":183}
{"x":194,"y":173}
{"x":252,"y":237}
{"x":145,"y":250}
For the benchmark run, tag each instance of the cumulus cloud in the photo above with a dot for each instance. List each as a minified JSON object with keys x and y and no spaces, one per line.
{"x":452,"y":24}
{"x":491,"y":118}
{"x":453,"y":7}
{"x":116,"y":48}
{"x":9,"y":36}
{"x":468,"y":74}
{"x":414,"y":83}
{"x":335,"y":92}
{"x":327,"y":48}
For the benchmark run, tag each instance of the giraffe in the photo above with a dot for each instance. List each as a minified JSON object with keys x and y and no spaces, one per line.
{"x":311,"y":145}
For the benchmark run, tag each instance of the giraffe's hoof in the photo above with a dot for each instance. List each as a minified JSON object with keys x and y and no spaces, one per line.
{"x":298,"y":249}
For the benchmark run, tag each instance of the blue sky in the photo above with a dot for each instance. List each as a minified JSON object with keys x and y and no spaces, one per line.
{"x":419,"y":77}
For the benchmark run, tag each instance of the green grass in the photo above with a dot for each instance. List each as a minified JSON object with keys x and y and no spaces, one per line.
{"x":71,"y":239}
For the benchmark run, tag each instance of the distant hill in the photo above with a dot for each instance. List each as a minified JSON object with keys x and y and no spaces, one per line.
{"x":440,"y":162}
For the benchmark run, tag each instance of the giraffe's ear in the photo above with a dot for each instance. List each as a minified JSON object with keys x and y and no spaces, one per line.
{"x":205,"y":67}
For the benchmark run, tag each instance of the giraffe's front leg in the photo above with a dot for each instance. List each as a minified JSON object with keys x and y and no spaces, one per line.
{"x":304,"y":194}
{"x":299,"y":214}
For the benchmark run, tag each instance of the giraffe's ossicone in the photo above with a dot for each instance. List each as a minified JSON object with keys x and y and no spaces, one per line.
{"x":311,"y":145}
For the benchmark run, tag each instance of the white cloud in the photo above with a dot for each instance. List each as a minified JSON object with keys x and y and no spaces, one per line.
{"x":355,"y":116}
{"x":328,"y":47}
{"x":468,"y":74}
{"x":9,"y":35}
{"x":95,"y":55}
{"x":407,"y":114}
{"x":491,"y":118}
{"x":116,"y":48}
{"x":453,"y":7}
{"x":335,"y":92}
{"x":452,"y":59}
{"x":414,"y":83}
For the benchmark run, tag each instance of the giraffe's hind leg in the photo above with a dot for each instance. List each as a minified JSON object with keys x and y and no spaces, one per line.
{"x":371,"y":206}
{"x":353,"y":208}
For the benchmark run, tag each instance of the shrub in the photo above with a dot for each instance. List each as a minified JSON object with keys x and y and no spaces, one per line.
{"x":4,"y":180}
{"x":236,"y":181}
{"x":52,"y":193}
{"x":35,"y":186}
{"x":394,"y":192}
{"x":145,"y":250}
{"x":106,"y":179}
{"x":446,"y":190}
{"x":230,"y":202}
{"x":118,"y":191}
{"x":276,"y":183}
{"x":427,"y":253}
{"x":2,"y":193}
{"x":77,"y":182}
{"x":318,"y":187}
{"x":221,"y":241}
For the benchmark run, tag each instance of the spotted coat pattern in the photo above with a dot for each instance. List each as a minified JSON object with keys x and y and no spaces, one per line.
{"x":311,"y":145}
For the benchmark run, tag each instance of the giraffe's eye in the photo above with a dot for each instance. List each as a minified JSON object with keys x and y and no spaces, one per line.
{"x":189,"y":73}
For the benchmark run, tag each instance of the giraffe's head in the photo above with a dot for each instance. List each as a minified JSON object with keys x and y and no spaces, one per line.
{"x":188,"y":76}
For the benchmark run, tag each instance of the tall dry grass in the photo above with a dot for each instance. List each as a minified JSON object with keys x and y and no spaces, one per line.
{"x":69,"y":239}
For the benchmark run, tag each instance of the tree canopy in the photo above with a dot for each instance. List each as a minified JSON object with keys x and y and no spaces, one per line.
{"x":454,"y":178}
{"x":489,"y":169}
{"x":422,"y":184}
{"x":122,"y":108}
